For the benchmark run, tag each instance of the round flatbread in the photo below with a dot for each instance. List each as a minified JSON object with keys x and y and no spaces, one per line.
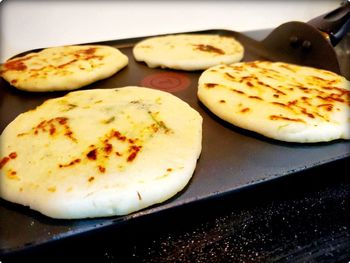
{"x":63,"y":68}
{"x":278,"y":100}
{"x":188,"y":51}
{"x":101,"y":152}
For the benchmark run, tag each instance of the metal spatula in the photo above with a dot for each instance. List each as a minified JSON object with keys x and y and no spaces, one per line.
{"x":311,"y":43}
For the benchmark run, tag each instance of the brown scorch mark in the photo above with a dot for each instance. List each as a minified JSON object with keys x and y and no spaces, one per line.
{"x":92,"y":155}
{"x":66,"y":64}
{"x":71,"y":163}
{"x":255,"y":97}
{"x":53,"y":126}
{"x":102,"y":169}
{"x":16,"y":64}
{"x":100,"y":152}
{"x":134,"y":150}
{"x":237,"y":91}
{"x":3,"y":161}
{"x":209,"y":48}
{"x":6,"y":159}
{"x":326,"y":106}
{"x":210,"y":85}
{"x":277,"y":117}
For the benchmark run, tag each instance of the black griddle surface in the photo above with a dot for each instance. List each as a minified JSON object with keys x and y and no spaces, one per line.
{"x":232,"y":159}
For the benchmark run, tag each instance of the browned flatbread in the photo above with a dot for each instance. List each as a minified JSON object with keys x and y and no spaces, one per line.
{"x":63,"y":68}
{"x":100,"y":152}
{"x":188,"y":51}
{"x":279,"y":100}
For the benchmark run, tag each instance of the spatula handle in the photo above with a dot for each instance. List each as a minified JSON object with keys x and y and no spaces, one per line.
{"x":336,"y":24}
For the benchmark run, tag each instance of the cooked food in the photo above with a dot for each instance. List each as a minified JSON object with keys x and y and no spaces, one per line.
{"x":188,"y":51}
{"x":63,"y":68}
{"x":279,"y":100}
{"x":102,"y":152}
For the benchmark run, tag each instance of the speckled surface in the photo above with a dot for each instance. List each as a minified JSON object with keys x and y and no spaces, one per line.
{"x":293,"y":220}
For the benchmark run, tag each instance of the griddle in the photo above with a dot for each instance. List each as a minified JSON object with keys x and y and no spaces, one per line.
{"x":232,"y":159}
